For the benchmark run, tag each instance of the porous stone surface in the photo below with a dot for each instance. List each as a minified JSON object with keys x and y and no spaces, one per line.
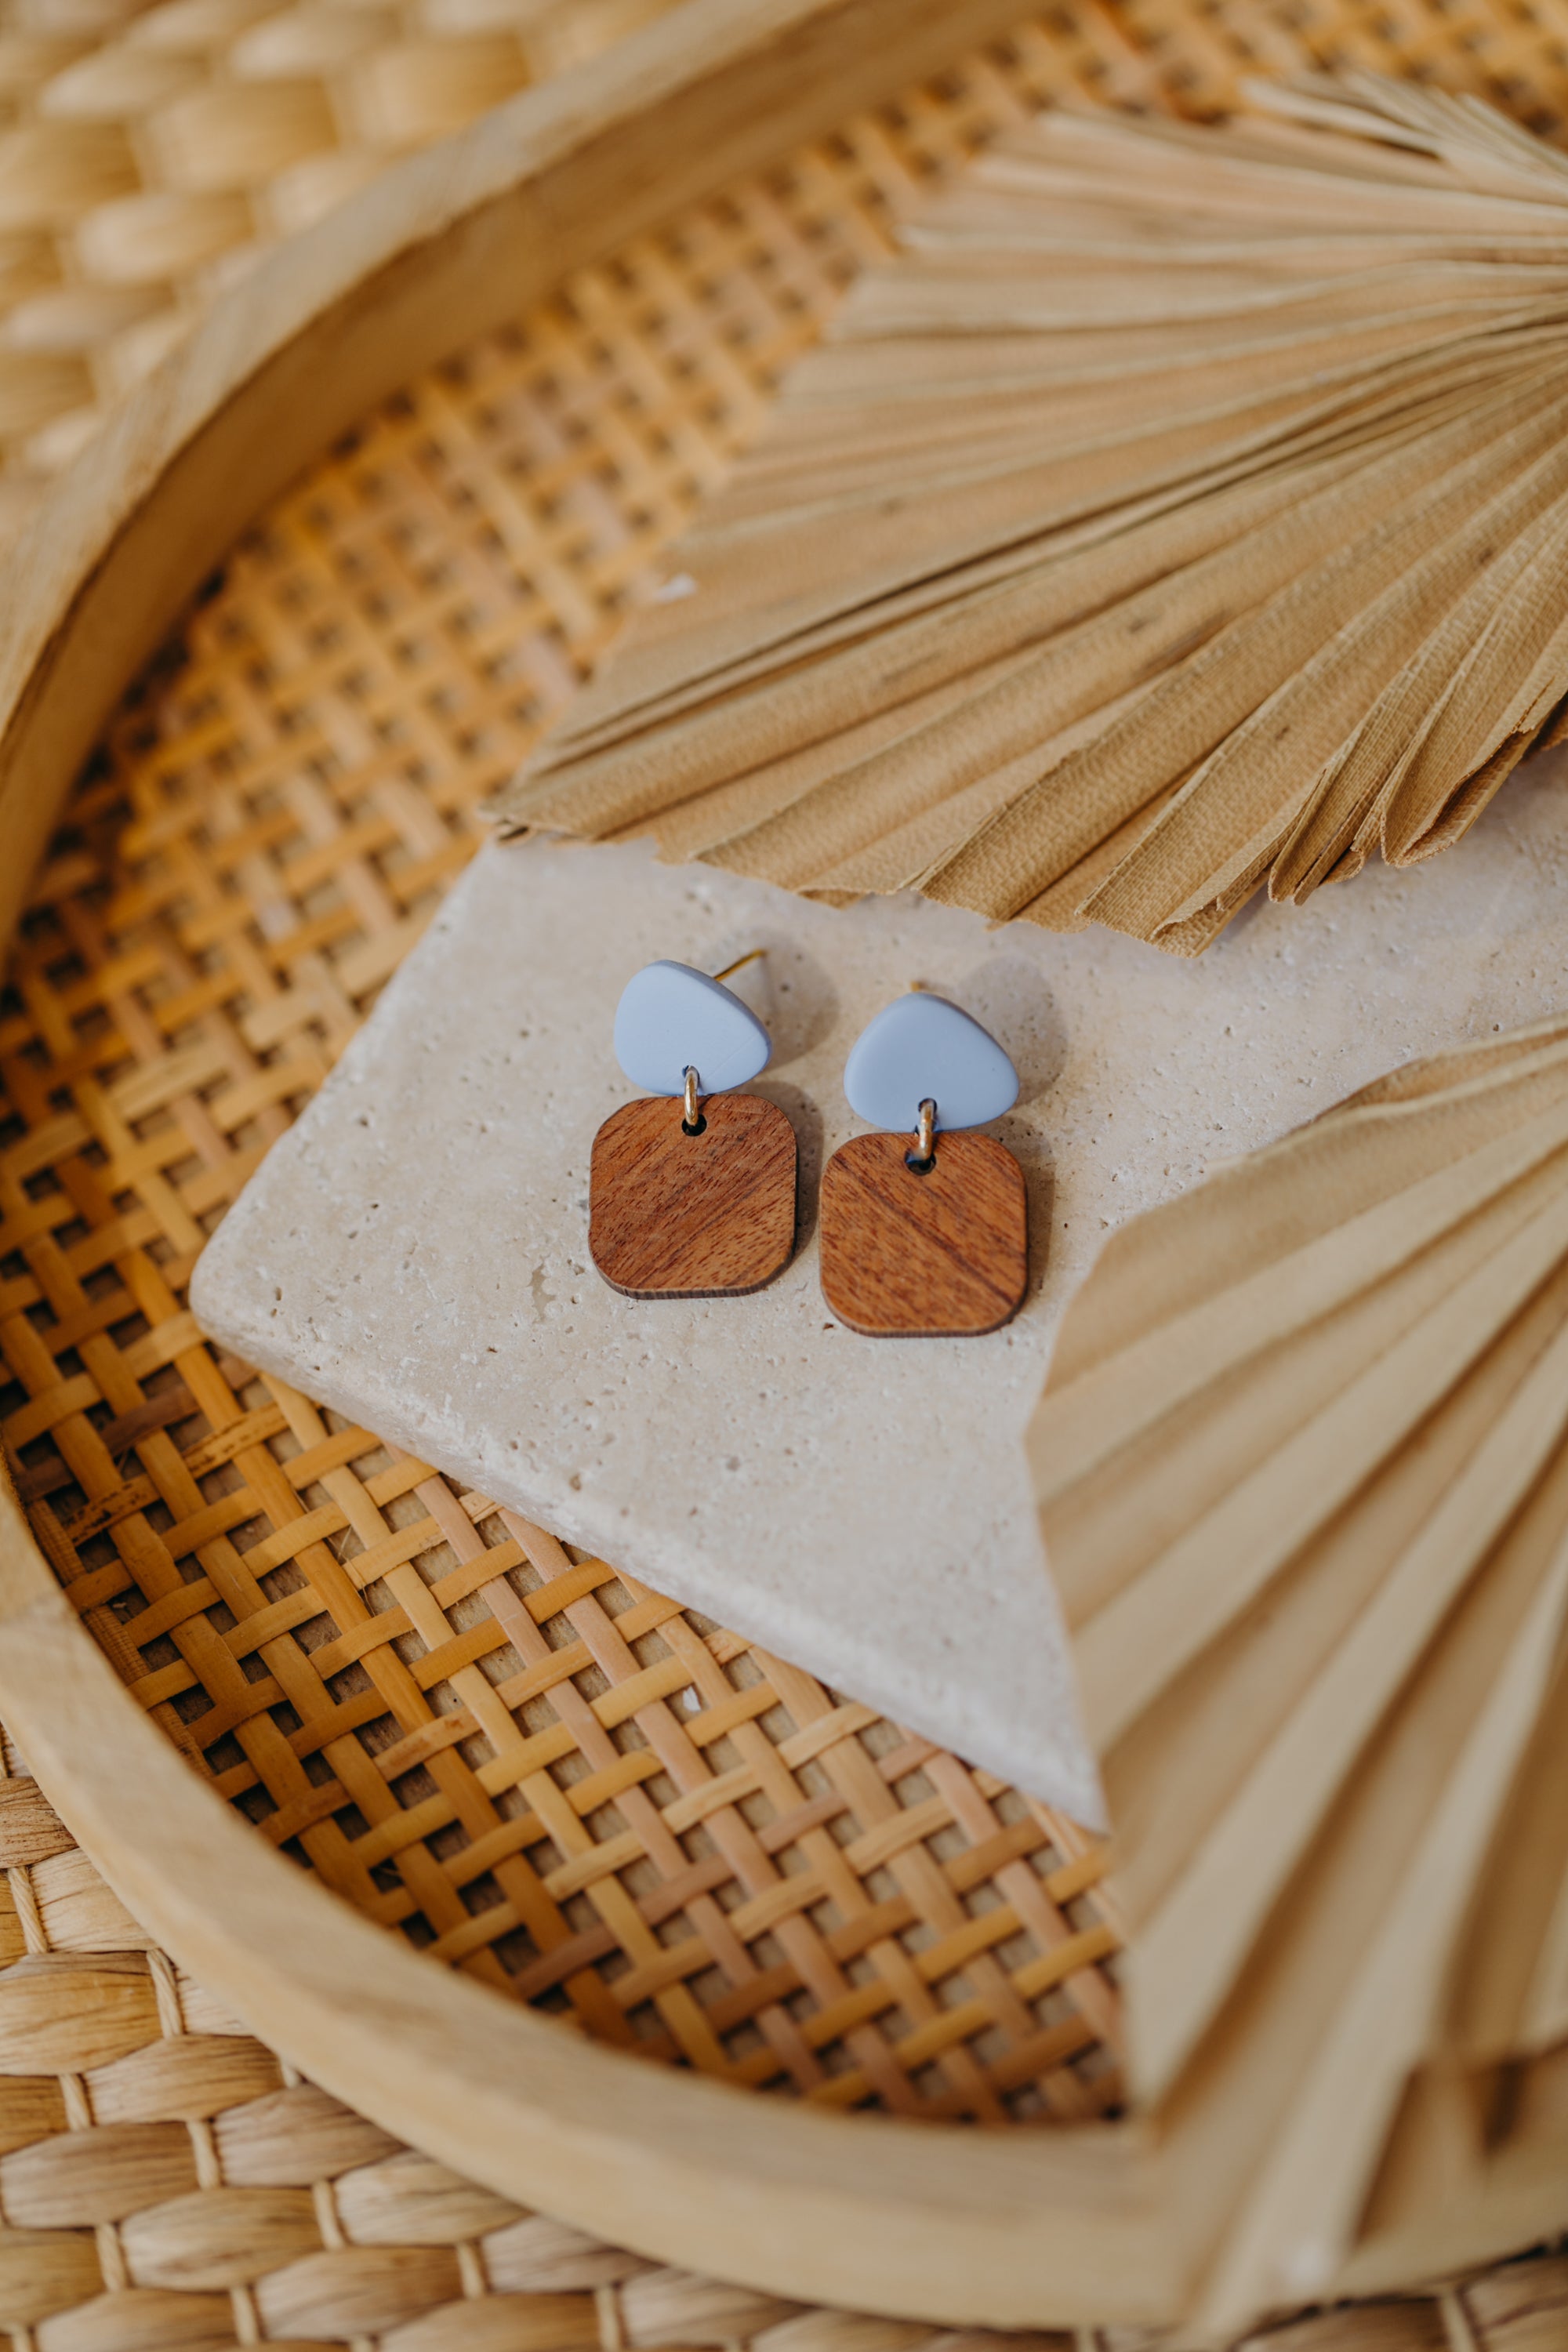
{"x":414,"y":1251}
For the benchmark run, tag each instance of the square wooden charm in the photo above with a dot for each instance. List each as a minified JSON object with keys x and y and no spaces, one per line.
{"x":939,"y":1255}
{"x":672,"y":1215}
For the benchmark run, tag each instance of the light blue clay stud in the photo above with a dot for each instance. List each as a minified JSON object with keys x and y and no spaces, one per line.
{"x":672,"y":1019}
{"x":921,"y":1049}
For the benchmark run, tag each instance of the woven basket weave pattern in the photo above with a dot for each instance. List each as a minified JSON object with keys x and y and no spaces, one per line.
{"x":606,"y":1805}
{"x":168,"y":2186}
{"x":148,"y":155}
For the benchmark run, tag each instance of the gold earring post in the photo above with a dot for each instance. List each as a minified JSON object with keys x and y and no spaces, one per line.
{"x":752,"y":956}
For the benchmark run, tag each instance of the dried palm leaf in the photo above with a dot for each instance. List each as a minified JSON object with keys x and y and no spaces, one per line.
{"x":1182,"y":510}
{"x":1302,"y":1466}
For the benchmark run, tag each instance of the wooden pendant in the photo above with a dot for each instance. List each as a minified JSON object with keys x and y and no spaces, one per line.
{"x":939,"y":1255}
{"x":673,"y":1216}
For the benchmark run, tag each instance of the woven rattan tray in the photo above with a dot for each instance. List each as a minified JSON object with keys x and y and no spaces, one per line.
{"x":168,"y":2181}
{"x":298,"y":775}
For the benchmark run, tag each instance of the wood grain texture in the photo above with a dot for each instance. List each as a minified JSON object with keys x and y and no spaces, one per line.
{"x":910,"y":1256}
{"x":30,"y":1829}
{"x":673,"y":1216}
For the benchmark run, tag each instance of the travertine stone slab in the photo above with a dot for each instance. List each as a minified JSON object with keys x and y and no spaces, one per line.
{"x":415,"y":1250}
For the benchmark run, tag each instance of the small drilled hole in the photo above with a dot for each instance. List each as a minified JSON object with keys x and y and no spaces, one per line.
{"x":700,"y":1127}
{"x":919,"y":1167}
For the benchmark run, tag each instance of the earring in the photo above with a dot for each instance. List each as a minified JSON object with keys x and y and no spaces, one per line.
{"x":925,"y":1235}
{"x":690,"y":1194}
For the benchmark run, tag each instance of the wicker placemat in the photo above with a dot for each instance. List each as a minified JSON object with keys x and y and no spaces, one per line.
{"x":690,"y":1847}
{"x":149,"y":154}
{"x":169,"y":2186}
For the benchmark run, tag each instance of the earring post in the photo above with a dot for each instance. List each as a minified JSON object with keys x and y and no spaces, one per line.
{"x":753,"y":956}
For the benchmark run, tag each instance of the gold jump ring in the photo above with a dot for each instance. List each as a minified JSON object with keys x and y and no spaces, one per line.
{"x":925,"y":1144}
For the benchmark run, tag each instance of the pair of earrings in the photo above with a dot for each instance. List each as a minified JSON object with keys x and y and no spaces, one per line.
{"x":692,"y":1189}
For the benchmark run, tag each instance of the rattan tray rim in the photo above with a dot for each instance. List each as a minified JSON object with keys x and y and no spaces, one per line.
{"x":927,"y":2220}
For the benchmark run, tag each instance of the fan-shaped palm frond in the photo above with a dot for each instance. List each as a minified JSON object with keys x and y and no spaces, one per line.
{"x":1302,"y":1465}
{"x":1182,"y":510}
